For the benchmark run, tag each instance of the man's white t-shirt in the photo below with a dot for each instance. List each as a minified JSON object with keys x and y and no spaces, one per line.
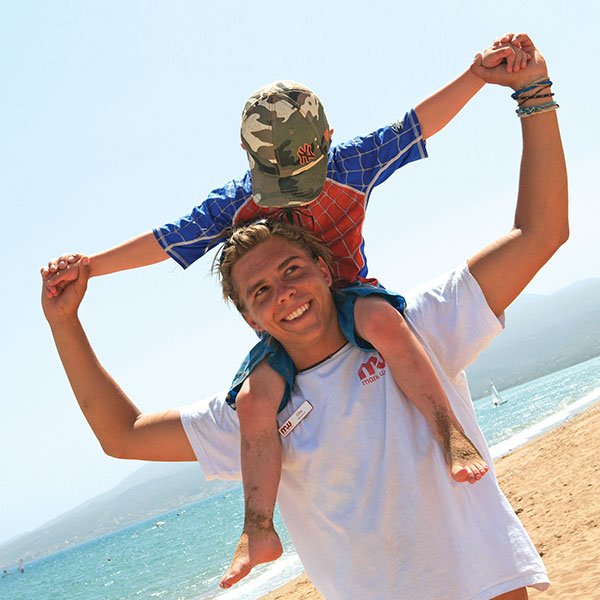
{"x":365,"y":491}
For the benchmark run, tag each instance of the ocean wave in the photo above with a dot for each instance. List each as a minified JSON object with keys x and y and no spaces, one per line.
{"x":502,"y":448}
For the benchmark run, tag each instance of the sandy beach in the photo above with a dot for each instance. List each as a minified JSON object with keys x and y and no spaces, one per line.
{"x":553,"y":483}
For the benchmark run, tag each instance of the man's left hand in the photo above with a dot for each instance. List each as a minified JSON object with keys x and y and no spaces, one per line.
{"x":64,"y":306}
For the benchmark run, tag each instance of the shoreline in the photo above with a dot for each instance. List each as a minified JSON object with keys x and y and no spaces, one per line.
{"x":553,"y":484}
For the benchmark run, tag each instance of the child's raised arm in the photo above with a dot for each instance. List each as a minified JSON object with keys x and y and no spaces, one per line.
{"x":436,"y":111}
{"x":140,"y":251}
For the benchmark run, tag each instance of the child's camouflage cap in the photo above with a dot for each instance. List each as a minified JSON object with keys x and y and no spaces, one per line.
{"x":286,"y":135}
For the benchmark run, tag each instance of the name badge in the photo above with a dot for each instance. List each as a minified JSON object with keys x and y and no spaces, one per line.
{"x":298,"y":415}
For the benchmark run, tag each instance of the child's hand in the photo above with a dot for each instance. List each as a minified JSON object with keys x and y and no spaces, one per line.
{"x":536,"y":66}
{"x":59,"y":273}
{"x":508,"y":49}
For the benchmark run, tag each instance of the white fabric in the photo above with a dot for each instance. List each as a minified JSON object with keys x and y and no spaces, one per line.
{"x":365,"y":492}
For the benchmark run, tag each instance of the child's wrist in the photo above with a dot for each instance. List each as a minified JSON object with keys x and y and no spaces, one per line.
{"x":476,"y":80}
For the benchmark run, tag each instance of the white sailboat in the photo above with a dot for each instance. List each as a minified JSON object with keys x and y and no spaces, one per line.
{"x":497,"y":398}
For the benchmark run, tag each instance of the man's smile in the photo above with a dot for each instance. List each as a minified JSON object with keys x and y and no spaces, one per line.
{"x":297,"y":313}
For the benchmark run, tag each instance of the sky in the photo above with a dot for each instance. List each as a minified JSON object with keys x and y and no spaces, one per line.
{"x":119,"y":116}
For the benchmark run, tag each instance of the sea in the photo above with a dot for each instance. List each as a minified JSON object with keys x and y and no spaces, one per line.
{"x":182,"y":554}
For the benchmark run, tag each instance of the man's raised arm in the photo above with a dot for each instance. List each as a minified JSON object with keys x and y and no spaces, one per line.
{"x":541,"y":224}
{"x":122,"y":430}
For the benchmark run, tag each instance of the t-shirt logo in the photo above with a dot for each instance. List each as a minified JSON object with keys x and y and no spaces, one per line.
{"x":371,"y":370}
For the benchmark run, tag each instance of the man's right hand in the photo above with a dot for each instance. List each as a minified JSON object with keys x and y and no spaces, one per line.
{"x":65,"y":304}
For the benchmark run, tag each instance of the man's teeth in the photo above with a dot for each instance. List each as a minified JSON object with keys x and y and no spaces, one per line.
{"x":296,"y":313}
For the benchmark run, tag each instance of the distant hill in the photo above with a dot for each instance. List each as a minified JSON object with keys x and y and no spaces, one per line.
{"x":154,"y":489}
{"x":543,"y":334}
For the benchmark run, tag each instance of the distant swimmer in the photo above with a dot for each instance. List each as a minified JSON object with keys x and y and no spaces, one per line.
{"x":21,"y":566}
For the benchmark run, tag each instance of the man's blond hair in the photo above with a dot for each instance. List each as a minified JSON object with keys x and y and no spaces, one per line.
{"x":246,"y":237}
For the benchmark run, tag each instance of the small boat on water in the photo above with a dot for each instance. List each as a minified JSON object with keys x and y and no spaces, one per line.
{"x":497,"y":399}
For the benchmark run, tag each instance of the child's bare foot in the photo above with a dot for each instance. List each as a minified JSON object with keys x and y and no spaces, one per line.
{"x":256,"y":546}
{"x":466,"y":464}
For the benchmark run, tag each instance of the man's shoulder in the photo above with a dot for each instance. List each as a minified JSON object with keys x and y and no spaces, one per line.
{"x":443,"y":302}
{"x":452,"y":317}
{"x":440,"y":287}
{"x":214,"y":405}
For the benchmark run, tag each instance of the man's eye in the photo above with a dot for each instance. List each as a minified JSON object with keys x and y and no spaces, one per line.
{"x":260,"y":291}
{"x":291,"y":269}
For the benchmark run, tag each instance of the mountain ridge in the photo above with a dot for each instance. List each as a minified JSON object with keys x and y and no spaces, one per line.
{"x":544,"y":334}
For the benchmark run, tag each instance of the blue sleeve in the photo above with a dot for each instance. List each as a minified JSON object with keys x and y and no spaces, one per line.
{"x":194,"y":235}
{"x":365,"y":162}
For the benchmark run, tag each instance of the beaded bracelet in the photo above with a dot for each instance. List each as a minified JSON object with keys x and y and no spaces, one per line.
{"x":527,"y":111}
{"x":540,"y":86}
{"x":534,"y":85}
{"x":534,"y":97}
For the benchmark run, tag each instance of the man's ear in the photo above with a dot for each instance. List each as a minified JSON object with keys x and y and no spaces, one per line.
{"x":325,"y":270}
{"x":252,"y":323}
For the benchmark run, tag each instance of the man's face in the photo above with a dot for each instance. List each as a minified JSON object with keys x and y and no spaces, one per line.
{"x":286,"y":293}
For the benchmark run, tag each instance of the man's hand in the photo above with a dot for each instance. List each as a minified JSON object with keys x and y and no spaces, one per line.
{"x":536,"y":67}
{"x":64,"y":305}
{"x":60,"y":272}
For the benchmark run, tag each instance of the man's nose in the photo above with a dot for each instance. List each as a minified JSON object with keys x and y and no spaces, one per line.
{"x":284,"y":292}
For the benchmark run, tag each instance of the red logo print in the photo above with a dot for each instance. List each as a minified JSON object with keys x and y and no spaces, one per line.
{"x":372,"y":370}
{"x":305,"y":153}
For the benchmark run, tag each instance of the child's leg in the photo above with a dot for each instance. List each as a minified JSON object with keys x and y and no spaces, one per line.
{"x":256,"y":405}
{"x":384,"y":327}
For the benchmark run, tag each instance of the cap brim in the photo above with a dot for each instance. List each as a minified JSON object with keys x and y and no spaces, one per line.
{"x":272,"y":191}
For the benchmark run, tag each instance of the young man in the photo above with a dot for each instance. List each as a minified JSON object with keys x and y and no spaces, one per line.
{"x":367,"y":517}
{"x":287,"y":137}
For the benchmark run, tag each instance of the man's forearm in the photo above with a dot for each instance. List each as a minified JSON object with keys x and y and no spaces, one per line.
{"x":436,"y":111}
{"x":140,"y":251}
{"x":542,"y":207}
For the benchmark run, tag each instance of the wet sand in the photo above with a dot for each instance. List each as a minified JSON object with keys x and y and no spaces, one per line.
{"x":553,"y":483}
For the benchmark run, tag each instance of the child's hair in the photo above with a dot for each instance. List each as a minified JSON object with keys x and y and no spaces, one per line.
{"x":246,"y":237}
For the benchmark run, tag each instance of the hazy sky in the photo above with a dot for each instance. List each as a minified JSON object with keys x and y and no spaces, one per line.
{"x":120,"y":116}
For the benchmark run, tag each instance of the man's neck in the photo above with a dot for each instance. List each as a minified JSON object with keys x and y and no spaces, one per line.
{"x":310,"y":354}
{"x":323,"y":359}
